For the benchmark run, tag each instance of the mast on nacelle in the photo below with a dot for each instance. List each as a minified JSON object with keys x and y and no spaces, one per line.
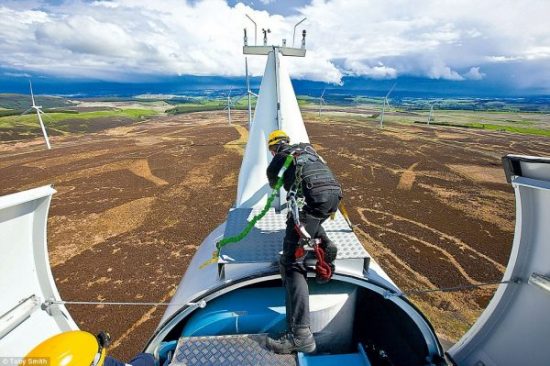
{"x":276,"y":108}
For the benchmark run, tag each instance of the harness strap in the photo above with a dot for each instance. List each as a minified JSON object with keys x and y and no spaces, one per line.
{"x":305,"y":173}
{"x":296,"y":152}
{"x":322,"y":268}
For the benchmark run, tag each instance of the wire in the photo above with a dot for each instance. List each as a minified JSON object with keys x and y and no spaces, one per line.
{"x":110,"y":303}
{"x":200,"y":304}
{"x":409,"y":292}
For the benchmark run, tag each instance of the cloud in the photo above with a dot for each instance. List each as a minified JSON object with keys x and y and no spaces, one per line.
{"x":17,"y":74}
{"x":474,"y":74}
{"x":85,"y":35}
{"x":379,"y":39}
{"x":362,"y":68}
{"x":441,"y":71}
{"x":504,"y":59}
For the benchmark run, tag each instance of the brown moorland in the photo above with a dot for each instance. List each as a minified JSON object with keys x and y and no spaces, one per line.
{"x":134,"y":203}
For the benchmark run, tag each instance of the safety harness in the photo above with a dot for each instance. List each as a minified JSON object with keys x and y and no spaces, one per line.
{"x":300,"y":156}
{"x":312,"y":172}
{"x":307,"y":243}
{"x":311,"y":177}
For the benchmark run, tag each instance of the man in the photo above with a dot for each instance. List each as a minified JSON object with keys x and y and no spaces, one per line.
{"x":309,"y":178}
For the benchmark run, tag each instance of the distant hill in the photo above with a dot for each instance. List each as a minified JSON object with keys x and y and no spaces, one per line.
{"x":23,"y":102}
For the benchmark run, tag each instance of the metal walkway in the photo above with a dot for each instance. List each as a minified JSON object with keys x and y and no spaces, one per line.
{"x":231,"y":350}
{"x":264,"y":243}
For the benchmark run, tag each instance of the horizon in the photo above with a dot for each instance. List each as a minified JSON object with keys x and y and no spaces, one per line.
{"x":207,"y":86}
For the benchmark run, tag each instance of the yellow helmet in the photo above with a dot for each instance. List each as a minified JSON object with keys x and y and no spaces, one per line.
{"x":73,"y":348}
{"x":277,"y":137}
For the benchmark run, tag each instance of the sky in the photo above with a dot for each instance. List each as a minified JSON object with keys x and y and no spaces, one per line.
{"x":488,"y":41}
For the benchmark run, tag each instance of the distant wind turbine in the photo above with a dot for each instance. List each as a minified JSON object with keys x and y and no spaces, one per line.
{"x":431,"y":112}
{"x":39,"y":113}
{"x":231,"y":103}
{"x":384,"y":106}
{"x":321,"y":102}
{"x":228,"y":107}
{"x":249,"y":93}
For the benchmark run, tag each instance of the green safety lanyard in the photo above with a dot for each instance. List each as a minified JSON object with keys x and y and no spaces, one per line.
{"x":240,"y":236}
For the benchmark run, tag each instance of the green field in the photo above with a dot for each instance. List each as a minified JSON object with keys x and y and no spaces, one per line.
{"x":220,"y":104}
{"x":210,"y":105}
{"x":498,"y":127}
{"x":20,"y":127}
{"x":22,"y":102}
{"x":55,"y":119}
{"x":530,"y":123}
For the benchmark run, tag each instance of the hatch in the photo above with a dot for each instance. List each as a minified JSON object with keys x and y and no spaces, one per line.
{"x":514,"y":329}
{"x":26,"y":279}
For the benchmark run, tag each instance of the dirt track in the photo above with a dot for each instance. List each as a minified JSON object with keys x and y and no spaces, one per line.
{"x":430,"y":204}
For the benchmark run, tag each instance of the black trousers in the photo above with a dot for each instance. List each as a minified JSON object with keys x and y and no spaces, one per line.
{"x":294,"y":273}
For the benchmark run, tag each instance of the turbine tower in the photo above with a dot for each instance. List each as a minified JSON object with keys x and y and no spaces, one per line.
{"x":384,"y":106}
{"x":39,"y":113}
{"x":431,"y":112}
{"x":228,"y":107}
{"x":321,"y":102}
{"x":231,"y":103}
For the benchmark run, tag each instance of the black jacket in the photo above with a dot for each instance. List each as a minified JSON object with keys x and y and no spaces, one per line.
{"x":316,"y":176}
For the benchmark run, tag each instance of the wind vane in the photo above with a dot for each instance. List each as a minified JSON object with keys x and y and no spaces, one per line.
{"x":265,"y":49}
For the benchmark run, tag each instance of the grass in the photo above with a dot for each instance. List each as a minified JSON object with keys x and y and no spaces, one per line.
{"x":193,"y":107}
{"x":209,"y":105}
{"x":367,"y":100}
{"x":134,"y":114}
{"x":60,"y":123}
{"x":495,"y":127}
{"x":514,"y":129}
{"x":340,"y":118}
{"x":449,"y":325}
{"x":527,"y":123}
{"x":22,"y":102}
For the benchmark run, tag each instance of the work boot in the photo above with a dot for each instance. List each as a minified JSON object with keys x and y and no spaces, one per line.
{"x":300,"y":341}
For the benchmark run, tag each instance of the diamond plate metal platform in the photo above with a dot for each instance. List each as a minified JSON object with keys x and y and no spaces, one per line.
{"x":264,"y":242}
{"x":232,"y":350}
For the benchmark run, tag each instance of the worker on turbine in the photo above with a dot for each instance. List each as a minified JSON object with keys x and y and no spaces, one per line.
{"x":307,"y":178}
